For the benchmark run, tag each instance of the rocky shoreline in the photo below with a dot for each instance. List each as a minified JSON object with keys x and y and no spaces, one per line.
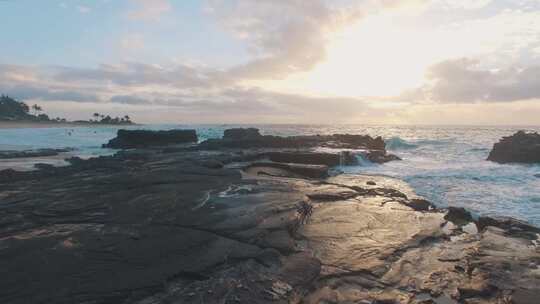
{"x":249,"y":219}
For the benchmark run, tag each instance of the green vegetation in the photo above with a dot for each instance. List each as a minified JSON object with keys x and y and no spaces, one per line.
{"x":11,"y":109}
{"x":106,"y":119}
{"x":14,"y":110}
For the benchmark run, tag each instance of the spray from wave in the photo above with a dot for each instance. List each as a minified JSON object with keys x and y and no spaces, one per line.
{"x":396,"y":143}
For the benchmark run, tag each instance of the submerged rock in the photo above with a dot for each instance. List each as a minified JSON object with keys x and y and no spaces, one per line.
{"x":128,"y":139}
{"x":521,"y":147}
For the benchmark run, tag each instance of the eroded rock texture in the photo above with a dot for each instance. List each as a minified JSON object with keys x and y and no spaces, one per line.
{"x":521,"y":147}
{"x":159,"y":226}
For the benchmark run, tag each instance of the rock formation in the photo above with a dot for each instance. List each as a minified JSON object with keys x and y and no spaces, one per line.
{"x":521,"y":147}
{"x":157,"y":225}
{"x":128,"y":139}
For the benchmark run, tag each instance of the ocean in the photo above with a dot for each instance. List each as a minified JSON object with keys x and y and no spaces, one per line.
{"x":446,"y":165}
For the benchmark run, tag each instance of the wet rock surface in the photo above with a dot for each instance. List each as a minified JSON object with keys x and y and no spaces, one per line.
{"x":521,"y":147}
{"x":128,"y":139}
{"x":32,"y":153}
{"x":251,"y":138}
{"x":154,"y":226}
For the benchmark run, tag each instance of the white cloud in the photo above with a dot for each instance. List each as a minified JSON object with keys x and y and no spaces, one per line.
{"x":463,"y":81}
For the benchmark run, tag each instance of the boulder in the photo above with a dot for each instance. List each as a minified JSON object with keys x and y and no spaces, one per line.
{"x":458,"y":216}
{"x":419,"y":204}
{"x":128,"y":139}
{"x":241,"y":133}
{"x":521,"y":147}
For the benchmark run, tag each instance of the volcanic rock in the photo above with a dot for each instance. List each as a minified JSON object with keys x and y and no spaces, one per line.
{"x":241,"y":133}
{"x":32,"y":153}
{"x":128,"y":139}
{"x":521,"y":147}
{"x":288,"y":170}
{"x":313,"y":158}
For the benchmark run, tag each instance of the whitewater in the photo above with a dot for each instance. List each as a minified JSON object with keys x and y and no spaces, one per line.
{"x":446,"y":165}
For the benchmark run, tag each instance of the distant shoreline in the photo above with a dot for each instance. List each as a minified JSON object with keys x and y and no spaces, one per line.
{"x":46,"y":124}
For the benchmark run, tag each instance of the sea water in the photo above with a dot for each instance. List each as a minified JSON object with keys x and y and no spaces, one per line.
{"x":446,"y":165}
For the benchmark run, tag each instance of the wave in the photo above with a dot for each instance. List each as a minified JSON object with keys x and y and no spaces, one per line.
{"x":396,"y":143}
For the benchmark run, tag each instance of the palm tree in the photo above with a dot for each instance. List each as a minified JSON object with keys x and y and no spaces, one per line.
{"x":37,"y":108}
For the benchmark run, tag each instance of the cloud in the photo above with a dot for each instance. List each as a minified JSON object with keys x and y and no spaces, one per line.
{"x":466,"y":4}
{"x":149,"y":10}
{"x":284,"y":36}
{"x":463,"y":81}
{"x":134,"y":74}
{"x":36,"y":93}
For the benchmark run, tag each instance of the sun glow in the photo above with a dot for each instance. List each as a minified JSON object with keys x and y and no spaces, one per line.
{"x":373,"y":57}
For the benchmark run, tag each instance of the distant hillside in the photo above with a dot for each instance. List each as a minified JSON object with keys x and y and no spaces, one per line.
{"x":14,"y":110}
{"x":11,"y":109}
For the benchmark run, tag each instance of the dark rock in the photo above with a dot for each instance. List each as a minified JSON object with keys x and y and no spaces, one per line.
{"x":241,"y":133}
{"x":288,"y":170}
{"x":380,"y":157}
{"x":212,"y":164}
{"x":250,"y":138}
{"x":149,"y":227}
{"x":41,"y":166}
{"x":420,"y":204}
{"x":313,"y":158}
{"x":75,"y":160}
{"x":32,"y":153}
{"x":458,"y":216}
{"x":521,"y":147}
{"x":128,"y":139}
{"x":507,"y":223}
{"x":371,"y":183}
{"x":523,"y":296}
{"x":537,"y":175}
{"x":9,"y":175}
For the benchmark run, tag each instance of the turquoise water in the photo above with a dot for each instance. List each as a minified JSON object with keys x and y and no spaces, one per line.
{"x":444,"y":164}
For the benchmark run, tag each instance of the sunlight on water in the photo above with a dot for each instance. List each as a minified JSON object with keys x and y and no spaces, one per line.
{"x":444,"y":164}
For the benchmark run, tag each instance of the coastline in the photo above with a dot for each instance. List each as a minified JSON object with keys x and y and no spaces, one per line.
{"x":219,"y":222}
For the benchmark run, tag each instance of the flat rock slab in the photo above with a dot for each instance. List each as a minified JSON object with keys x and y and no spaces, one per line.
{"x":146,"y":226}
{"x":128,"y":139}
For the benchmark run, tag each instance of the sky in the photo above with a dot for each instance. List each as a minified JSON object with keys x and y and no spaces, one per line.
{"x":448,"y":62}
